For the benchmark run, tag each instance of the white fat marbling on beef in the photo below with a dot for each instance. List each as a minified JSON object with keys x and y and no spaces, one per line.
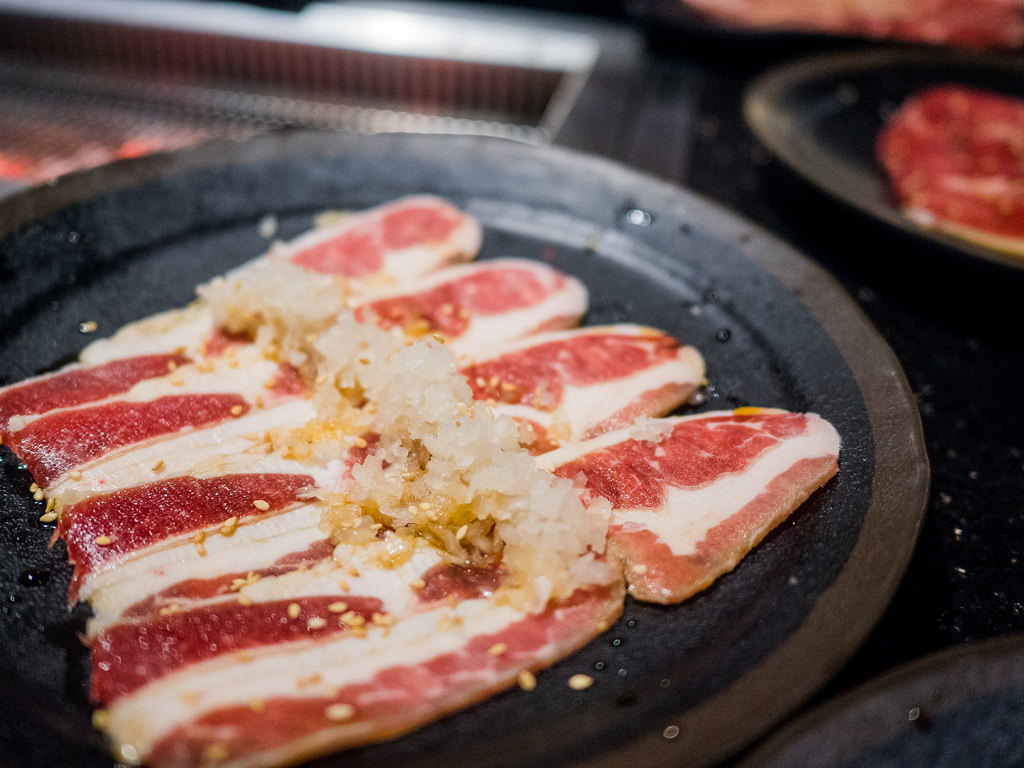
{"x":186,"y":330}
{"x":228,"y":446}
{"x":701,"y":509}
{"x":398,"y":264}
{"x":254,"y":544}
{"x":141,"y":718}
{"x":649,"y":374}
{"x":691,"y":496}
{"x":477,"y":306}
{"x":359,"y":571}
{"x":247,"y":377}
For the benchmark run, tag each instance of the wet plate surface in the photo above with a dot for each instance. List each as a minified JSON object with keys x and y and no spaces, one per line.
{"x":821,"y":116}
{"x":695,"y":681}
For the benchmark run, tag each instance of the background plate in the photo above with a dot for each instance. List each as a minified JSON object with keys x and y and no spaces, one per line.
{"x":821,"y":116}
{"x":690,"y":683}
{"x":963,"y":706}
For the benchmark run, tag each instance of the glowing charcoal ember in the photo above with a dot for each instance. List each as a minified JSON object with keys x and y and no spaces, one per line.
{"x":77,"y":385}
{"x":692,"y":495}
{"x":479,"y":305}
{"x":104,"y":530}
{"x":413,"y":675}
{"x":576,"y":384}
{"x":407,"y":238}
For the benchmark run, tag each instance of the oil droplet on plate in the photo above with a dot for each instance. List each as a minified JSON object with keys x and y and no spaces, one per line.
{"x":847,"y":94}
{"x":638,"y":217}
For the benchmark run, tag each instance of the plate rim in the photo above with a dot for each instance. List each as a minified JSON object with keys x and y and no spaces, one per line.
{"x":763,"y":116}
{"x":903,"y":680}
{"x":868,"y":579}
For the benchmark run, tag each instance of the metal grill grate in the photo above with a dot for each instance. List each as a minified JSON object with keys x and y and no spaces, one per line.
{"x":81,"y":91}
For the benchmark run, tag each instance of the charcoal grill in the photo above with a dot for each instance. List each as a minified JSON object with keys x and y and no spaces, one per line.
{"x":86,"y":83}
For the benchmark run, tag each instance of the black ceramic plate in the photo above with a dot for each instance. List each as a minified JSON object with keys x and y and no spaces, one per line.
{"x":960,"y":707}
{"x":821,"y":116}
{"x":688,"y":684}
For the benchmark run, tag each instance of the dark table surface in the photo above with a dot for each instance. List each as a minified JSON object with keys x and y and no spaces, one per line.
{"x":672,"y":108}
{"x":954,"y":323}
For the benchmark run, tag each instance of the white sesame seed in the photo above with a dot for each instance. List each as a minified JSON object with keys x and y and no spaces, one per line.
{"x":216,"y":753}
{"x":353,"y":619}
{"x":527,"y":680}
{"x":580,"y":682}
{"x":340,"y":712}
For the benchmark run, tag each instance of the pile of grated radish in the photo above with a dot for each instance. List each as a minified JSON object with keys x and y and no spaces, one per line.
{"x":440,"y":468}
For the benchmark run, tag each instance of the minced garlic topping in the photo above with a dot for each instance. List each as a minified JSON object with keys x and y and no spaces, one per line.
{"x":438,"y":466}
